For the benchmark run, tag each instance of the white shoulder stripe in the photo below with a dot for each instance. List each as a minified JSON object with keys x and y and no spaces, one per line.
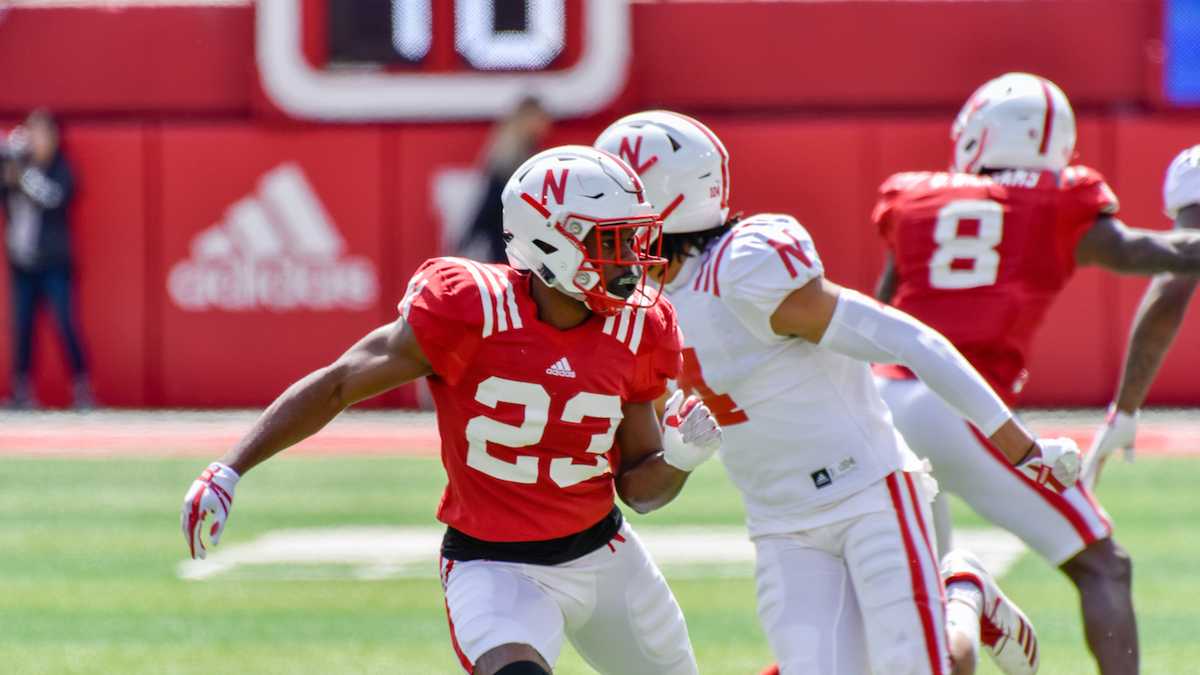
{"x":498,"y":296}
{"x":620,"y":330}
{"x":638,"y":324}
{"x":511,"y":297}
{"x":505,"y":296}
{"x":623,"y":330}
{"x":485,"y":296}
{"x":489,"y":276}
{"x":415,"y":286}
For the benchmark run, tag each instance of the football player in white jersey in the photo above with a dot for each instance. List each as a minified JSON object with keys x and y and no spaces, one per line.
{"x":836,"y":504}
{"x":1157,"y":321}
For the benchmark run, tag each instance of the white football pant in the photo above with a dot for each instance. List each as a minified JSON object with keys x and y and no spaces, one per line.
{"x":860,"y":595}
{"x":1057,"y":526}
{"x":613,"y":604}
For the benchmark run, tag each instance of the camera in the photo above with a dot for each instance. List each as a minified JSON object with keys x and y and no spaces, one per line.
{"x":15,"y":147}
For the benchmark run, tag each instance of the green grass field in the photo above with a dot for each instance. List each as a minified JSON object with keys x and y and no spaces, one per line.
{"x":89,"y":551}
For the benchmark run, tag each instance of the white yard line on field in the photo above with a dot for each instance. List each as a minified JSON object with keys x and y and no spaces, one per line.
{"x":391,"y":552}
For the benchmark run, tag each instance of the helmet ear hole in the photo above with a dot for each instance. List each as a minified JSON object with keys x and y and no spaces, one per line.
{"x":546,"y":248}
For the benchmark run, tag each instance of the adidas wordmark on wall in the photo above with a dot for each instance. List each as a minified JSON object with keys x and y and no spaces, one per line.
{"x":277,"y":250}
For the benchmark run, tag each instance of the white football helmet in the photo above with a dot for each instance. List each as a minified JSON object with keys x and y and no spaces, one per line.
{"x":682,"y":163}
{"x":1182,"y":185}
{"x":555,"y":200}
{"x":1016,"y":121}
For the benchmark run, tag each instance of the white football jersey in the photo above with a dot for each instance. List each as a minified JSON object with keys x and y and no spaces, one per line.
{"x":804,"y":427}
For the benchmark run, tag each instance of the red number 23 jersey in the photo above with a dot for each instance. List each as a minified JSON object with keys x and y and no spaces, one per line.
{"x":527,"y":413}
{"x":980,"y":258}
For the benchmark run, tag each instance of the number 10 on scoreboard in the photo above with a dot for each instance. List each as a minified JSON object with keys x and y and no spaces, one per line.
{"x":440,"y":59}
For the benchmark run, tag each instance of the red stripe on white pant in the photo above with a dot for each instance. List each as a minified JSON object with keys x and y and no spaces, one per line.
{"x":1105,"y":523}
{"x":1056,"y":501}
{"x":921,"y":596}
{"x":462,"y":658}
{"x":914,"y":499}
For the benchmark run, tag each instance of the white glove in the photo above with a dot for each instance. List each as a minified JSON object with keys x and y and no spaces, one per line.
{"x":1056,"y":465}
{"x":690,"y":434}
{"x":1118,"y":431}
{"x":211,"y":493}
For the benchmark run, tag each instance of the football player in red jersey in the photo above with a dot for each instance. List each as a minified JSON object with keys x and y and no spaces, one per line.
{"x":544,"y":375}
{"x":979,"y":253}
{"x":1158,"y":319}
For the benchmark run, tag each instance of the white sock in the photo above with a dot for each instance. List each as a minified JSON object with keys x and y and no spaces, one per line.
{"x":964,"y":603}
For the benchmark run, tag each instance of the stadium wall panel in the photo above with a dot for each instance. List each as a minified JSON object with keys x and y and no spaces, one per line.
{"x":877,"y":53}
{"x":187,"y":60}
{"x":765,"y":57}
{"x":244,"y":344}
{"x":148,"y":191}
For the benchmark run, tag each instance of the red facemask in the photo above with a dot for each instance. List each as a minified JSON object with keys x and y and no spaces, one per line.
{"x":630,"y":245}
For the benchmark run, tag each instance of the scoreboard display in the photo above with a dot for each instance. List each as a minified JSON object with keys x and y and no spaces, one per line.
{"x":440,"y":59}
{"x":1181,"y":40}
{"x":499,"y":35}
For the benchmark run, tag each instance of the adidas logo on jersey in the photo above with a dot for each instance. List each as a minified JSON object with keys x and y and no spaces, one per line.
{"x":278,"y":250}
{"x":561,"y":368}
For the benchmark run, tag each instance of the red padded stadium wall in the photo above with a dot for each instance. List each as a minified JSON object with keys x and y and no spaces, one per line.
{"x":221,"y":357}
{"x":810,"y":135}
{"x":183,"y":60}
{"x":146,"y":192}
{"x":782,"y":56}
{"x":884,"y":54}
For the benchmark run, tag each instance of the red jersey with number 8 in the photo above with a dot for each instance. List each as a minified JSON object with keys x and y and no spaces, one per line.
{"x":528,"y":413}
{"x":981,"y":258}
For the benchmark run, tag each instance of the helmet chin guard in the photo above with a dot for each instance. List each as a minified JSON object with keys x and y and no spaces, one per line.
{"x":578,"y":219}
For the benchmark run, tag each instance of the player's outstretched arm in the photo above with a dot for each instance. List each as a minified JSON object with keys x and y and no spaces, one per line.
{"x":385,"y":358}
{"x":1154,"y":328}
{"x":1109,"y":243}
{"x":656,"y":460}
{"x":849,"y":323}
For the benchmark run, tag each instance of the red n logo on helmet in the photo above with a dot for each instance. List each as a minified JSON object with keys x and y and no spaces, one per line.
{"x":633,"y":154}
{"x":557,"y":187}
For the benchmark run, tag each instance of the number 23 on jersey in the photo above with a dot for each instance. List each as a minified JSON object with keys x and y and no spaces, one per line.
{"x":535,"y":400}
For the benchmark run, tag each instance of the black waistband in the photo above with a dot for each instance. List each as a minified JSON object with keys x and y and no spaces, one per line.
{"x":459,"y":546}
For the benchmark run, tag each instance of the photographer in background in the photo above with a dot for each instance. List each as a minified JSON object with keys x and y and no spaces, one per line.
{"x":513,"y":140}
{"x":36,"y":188}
